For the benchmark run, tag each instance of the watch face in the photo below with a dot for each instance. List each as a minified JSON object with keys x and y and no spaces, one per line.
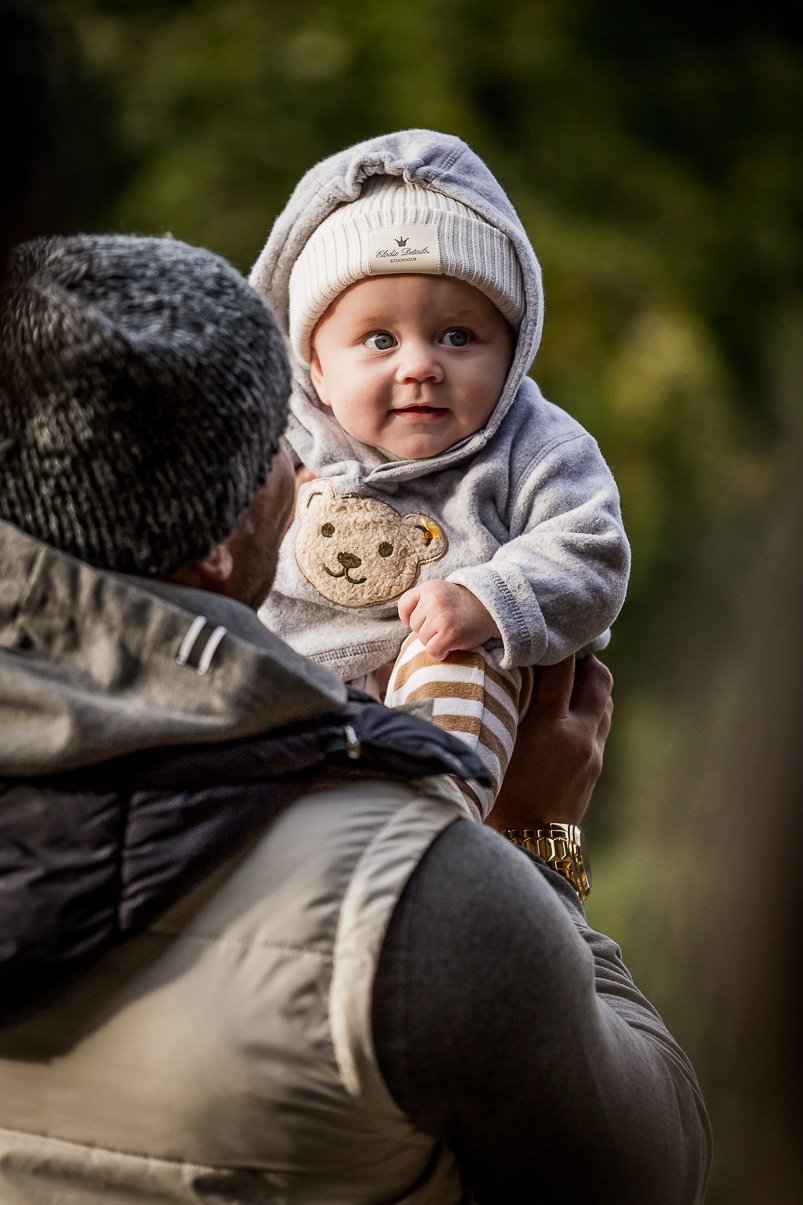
{"x":582,"y":874}
{"x":579,"y":866}
{"x":585,"y":862}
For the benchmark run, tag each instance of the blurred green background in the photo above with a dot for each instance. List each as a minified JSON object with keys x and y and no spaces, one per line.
{"x":654,"y":154}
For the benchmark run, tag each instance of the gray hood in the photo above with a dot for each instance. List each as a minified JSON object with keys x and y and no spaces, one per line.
{"x":437,"y":161}
{"x":95,"y":665}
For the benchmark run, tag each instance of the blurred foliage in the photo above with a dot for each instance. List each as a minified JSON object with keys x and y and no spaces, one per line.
{"x":58,"y":126}
{"x":703,"y":889}
{"x":653,"y":153}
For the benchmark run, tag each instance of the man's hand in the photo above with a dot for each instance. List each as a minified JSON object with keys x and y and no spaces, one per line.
{"x":558,"y":754}
{"x":447,"y":618}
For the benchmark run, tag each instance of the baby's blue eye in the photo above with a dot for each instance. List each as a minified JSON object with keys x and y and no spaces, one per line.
{"x":456,"y":336}
{"x":380,"y":341}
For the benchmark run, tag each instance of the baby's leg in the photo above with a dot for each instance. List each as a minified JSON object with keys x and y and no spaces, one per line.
{"x":472,"y":699}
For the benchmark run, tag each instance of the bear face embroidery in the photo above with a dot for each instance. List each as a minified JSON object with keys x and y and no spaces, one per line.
{"x":358,"y":551}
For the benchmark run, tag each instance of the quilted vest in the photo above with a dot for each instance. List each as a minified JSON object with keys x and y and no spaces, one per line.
{"x":226,"y":1053}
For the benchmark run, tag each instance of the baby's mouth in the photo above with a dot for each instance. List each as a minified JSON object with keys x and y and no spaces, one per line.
{"x":421,"y":410}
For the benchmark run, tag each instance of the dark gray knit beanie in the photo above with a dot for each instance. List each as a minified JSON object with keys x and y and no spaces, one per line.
{"x":143,"y":392}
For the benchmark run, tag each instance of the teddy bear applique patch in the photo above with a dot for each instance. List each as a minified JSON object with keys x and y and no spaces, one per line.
{"x":357,"y":551}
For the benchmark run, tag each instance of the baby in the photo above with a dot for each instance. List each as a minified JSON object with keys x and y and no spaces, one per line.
{"x":457,"y":525}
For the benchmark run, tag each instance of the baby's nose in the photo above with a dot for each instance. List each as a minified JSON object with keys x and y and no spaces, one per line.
{"x":418,"y":362}
{"x":348,"y":560}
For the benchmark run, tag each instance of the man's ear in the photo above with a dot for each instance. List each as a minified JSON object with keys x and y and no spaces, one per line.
{"x":318,"y":379}
{"x":217,"y":568}
{"x":212,"y":573}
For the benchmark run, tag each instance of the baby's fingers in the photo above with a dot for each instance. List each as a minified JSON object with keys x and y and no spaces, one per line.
{"x":407,"y":604}
{"x":438,"y":646}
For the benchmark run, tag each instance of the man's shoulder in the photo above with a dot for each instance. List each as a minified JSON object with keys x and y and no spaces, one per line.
{"x":473,"y":872}
{"x":482,"y":947}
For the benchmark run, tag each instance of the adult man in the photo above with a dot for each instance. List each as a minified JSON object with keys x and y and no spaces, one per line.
{"x":252,"y":948}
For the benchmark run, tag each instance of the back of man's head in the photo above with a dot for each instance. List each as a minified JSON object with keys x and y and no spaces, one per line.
{"x":143,"y":393}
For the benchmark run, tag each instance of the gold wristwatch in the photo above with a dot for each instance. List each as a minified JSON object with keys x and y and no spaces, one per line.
{"x":561,"y":846}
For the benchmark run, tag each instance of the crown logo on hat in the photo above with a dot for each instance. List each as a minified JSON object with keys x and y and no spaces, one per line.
{"x":400,"y":242}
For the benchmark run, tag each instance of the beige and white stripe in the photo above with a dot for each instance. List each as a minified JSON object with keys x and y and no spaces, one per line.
{"x":471,"y":698}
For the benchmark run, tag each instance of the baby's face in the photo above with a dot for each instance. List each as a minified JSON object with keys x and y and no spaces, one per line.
{"x":411,"y":364}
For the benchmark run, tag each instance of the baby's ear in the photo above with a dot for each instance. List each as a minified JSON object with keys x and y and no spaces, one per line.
{"x":315,"y":495}
{"x":427,"y":537}
{"x":318,"y":379}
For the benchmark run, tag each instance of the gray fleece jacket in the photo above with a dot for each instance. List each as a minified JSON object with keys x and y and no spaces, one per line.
{"x":524,"y":513}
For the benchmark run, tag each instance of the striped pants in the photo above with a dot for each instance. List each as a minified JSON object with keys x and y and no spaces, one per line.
{"x":473,"y":699}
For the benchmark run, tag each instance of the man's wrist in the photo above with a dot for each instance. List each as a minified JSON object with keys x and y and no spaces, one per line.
{"x":561,"y":847}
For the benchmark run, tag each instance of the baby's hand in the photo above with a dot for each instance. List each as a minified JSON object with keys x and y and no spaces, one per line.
{"x":447,"y":618}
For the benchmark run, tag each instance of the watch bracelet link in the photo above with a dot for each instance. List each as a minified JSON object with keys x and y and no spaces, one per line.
{"x":559,"y":845}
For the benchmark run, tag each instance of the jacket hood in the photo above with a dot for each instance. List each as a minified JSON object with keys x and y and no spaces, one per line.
{"x":437,"y":161}
{"x":95,"y":665}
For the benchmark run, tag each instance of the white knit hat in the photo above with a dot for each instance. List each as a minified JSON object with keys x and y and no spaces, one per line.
{"x":392,"y":227}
